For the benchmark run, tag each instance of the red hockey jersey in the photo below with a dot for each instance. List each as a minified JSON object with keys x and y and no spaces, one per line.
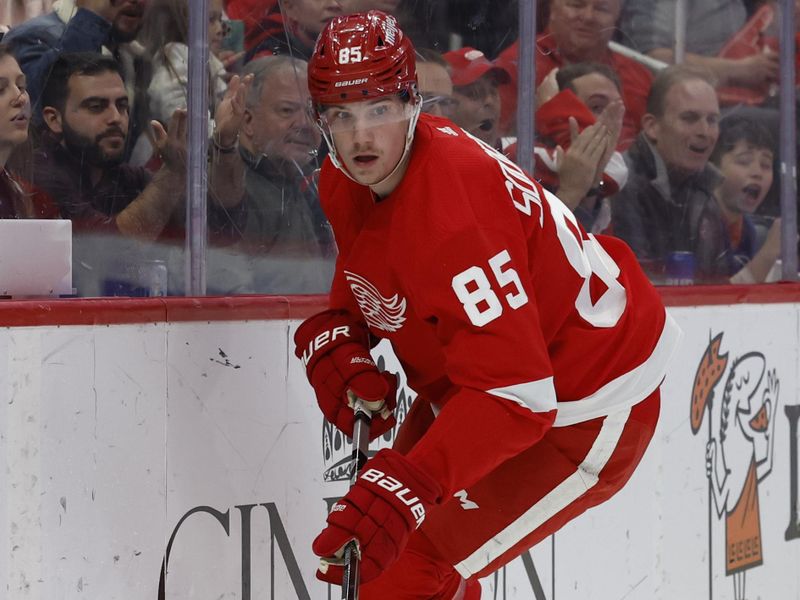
{"x":491,"y":293}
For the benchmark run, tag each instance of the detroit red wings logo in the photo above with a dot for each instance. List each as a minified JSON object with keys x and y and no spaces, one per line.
{"x":386,"y":314}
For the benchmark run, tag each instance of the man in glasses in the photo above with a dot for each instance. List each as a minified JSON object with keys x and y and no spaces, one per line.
{"x":536,"y":349}
{"x":435,"y":85}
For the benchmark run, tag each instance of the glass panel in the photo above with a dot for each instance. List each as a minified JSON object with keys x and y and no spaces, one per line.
{"x":97,"y":77}
{"x":277,"y":240}
{"x":702,"y":196}
{"x":659,"y":187}
{"x":273,"y":236}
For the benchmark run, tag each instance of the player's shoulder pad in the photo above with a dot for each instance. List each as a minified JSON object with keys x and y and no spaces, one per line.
{"x":439,"y":127}
{"x":457,"y":149}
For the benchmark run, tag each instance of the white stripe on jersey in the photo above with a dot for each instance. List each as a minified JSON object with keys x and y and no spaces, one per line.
{"x":569,"y":490}
{"x":623,"y":392}
{"x":628,"y":389}
{"x":538,"y":396}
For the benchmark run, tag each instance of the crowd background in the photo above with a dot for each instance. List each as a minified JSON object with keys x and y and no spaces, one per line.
{"x":681,"y":160}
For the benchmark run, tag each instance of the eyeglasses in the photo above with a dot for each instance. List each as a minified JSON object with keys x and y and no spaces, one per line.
{"x":443,"y":104}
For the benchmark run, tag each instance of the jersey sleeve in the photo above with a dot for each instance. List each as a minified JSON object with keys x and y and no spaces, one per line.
{"x":471,"y":278}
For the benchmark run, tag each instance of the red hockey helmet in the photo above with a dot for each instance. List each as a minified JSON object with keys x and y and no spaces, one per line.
{"x":361,"y":56}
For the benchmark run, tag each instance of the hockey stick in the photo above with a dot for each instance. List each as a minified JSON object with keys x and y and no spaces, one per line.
{"x":363,"y":418}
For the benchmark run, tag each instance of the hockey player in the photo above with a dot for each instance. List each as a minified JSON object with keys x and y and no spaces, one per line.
{"x":536,"y":350}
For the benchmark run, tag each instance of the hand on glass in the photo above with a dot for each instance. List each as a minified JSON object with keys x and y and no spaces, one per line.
{"x":230,"y":112}
{"x":171,"y":142}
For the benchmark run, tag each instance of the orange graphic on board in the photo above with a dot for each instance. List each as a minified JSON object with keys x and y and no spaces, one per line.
{"x":709,"y":372}
{"x":739,"y":450}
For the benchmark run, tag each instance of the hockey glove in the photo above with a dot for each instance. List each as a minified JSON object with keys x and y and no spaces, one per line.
{"x":388,"y":501}
{"x":335,"y":350}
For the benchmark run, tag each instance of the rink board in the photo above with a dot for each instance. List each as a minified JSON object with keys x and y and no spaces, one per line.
{"x":127,"y":435}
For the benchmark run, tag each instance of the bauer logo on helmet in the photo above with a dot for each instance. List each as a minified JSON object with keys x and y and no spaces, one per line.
{"x":350,"y":82}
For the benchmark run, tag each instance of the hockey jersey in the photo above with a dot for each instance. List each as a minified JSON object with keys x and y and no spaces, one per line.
{"x":492,"y":294}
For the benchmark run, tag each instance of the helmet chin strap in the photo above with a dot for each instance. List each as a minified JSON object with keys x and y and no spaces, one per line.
{"x":412,"y":123}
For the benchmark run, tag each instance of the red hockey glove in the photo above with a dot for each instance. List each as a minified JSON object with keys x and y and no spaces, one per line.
{"x":335,"y":349}
{"x":388,"y":501}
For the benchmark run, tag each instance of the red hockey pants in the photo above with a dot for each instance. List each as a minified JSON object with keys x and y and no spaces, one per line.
{"x":523,"y":501}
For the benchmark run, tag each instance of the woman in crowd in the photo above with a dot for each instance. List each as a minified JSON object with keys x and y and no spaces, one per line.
{"x":165,"y":34}
{"x":17,"y":199}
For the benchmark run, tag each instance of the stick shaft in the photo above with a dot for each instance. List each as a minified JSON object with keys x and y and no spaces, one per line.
{"x":359,"y":457}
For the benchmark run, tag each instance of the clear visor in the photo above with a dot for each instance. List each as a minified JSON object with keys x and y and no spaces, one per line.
{"x":367,"y":114}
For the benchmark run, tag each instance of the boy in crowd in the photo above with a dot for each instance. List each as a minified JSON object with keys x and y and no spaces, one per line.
{"x":731,"y":242}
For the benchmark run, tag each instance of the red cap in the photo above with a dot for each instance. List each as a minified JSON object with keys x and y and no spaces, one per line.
{"x":359,"y":56}
{"x":468,"y":65}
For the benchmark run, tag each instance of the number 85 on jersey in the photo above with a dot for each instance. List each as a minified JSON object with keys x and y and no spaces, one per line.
{"x":482,"y":304}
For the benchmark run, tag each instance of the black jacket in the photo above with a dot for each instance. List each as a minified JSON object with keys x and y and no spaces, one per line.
{"x":655,"y":216}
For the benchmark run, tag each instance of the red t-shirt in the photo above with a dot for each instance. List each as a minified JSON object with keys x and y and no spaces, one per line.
{"x":262,"y":19}
{"x":494,"y":300}
{"x":635,"y":79}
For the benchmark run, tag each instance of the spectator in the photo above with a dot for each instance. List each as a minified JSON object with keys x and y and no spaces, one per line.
{"x":81,"y":163}
{"x":731,"y":242}
{"x":435,"y":84}
{"x":17,"y":199}
{"x":596,"y":85}
{"x":285,"y":230}
{"x":649,"y":27}
{"x":302,"y":22}
{"x":165,"y":34}
{"x":475,"y":80}
{"x":579,"y":31}
{"x":579,"y":121}
{"x":670,"y":179}
{"x":108,"y":26}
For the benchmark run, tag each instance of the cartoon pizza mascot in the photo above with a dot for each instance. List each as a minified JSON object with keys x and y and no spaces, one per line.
{"x":740,"y":456}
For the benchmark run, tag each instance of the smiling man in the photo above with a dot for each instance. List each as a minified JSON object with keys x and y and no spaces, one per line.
{"x":285,"y":231}
{"x":579,"y":31}
{"x":480,"y":280}
{"x":670,"y":178}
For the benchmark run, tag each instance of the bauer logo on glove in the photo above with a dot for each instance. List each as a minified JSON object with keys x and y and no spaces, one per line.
{"x":392,"y":485}
{"x":335,"y":350}
{"x":322,"y":340}
{"x":385,"y":505}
